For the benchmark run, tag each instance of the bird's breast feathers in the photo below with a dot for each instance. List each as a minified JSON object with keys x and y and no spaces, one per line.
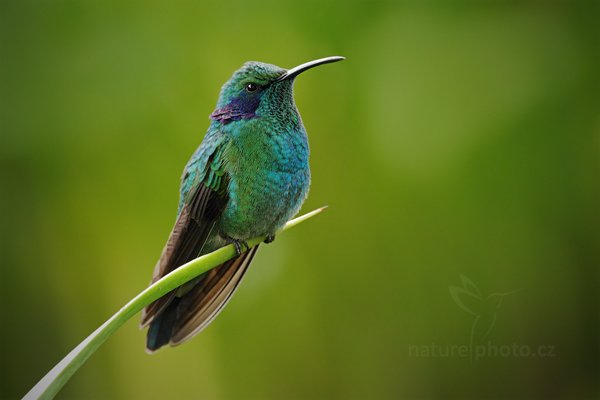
{"x":268,"y":181}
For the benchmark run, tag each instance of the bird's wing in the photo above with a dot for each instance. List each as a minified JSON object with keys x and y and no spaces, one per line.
{"x":187,"y":315}
{"x":204,"y":197}
{"x":204,"y":302}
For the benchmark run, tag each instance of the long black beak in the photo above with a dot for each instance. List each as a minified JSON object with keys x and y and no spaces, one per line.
{"x":291,"y":73}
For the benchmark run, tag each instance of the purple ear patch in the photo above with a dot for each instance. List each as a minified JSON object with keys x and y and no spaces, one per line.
{"x":242,"y":107}
{"x":228,"y":114}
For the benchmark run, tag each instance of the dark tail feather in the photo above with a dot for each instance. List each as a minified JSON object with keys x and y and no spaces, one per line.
{"x":159,"y":332}
{"x":187,"y":315}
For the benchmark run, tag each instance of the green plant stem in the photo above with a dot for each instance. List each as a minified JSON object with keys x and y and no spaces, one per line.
{"x":58,"y":376}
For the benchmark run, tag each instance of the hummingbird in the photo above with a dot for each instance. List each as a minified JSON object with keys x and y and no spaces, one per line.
{"x":247,"y":178}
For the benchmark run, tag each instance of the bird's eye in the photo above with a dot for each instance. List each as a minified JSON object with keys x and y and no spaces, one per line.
{"x":251,"y":87}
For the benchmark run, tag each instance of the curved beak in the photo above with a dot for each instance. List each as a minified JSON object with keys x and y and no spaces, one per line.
{"x":291,"y":73}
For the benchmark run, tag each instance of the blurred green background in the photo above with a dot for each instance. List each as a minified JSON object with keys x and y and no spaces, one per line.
{"x":455,"y":140}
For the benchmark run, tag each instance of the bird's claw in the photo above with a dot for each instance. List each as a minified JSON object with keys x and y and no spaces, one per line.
{"x":241,"y":246}
{"x":269,"y":238}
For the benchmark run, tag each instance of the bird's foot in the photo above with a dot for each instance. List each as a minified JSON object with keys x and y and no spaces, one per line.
{"x":241,"y":246}
{"x":269,"y":238}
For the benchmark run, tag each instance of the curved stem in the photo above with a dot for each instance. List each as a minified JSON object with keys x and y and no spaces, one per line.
{"x":58,"y":376}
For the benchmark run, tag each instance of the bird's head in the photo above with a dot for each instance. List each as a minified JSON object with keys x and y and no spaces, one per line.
{"x":258,"y":89}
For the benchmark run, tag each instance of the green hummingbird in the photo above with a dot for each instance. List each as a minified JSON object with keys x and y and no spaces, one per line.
{"x":247,"y":178}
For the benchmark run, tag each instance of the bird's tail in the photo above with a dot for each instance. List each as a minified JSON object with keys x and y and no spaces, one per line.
{"x":186,"y":315}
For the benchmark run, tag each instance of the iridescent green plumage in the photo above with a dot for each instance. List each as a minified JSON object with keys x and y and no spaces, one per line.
{"x":249,"y":176}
